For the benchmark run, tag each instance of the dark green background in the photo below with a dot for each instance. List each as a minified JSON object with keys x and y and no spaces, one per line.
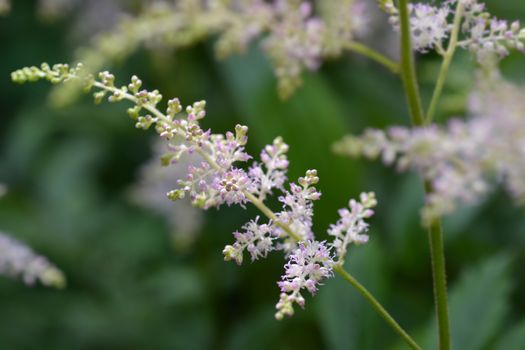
{"x":69,"y":172}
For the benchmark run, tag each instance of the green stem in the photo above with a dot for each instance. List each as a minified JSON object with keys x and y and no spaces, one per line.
{"x":408,"y":70}
{"x":259,"y":204}
{"x":271,"y":215}
{"x":437,"y":254}
{"x":345,"y":274}
{"x":434,"y":231}
{"x":377,"y":306}
{"x":374,"y":55}
{"x":447,"y":59}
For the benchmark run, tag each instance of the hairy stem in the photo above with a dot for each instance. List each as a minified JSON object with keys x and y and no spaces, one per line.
{"x":374,"y":55}
{"x":447,"y":59}
{"x":408,"y":70}
{"x":437,"y":255}
{"x":434,"y":231}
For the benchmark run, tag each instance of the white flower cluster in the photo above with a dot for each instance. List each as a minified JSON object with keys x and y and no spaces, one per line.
{"x":295,"y":35}
{"x":352,"y":227}
{"x":486,"y":36}
{"x":307,"y":266}
{"x":429,"y":24}
{"x":461,"y":159}
{"x":18,"y":260}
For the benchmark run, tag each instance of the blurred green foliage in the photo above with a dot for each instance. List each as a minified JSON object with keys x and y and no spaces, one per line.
{"x":69,"y":172}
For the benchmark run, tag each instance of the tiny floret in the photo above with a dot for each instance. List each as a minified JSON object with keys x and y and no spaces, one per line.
{"x":307,"y":266}
{"x":352,"y":227}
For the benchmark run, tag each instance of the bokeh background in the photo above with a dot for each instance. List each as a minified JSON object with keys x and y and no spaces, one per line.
{"x":133,"y":283}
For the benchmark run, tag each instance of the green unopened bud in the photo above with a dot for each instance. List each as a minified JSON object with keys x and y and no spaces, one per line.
{"x":230,"y":253}
{"x":166,"y":158}
{"x":199,"y":201}
{"x":99,"y":96}
{"x":368,"y":199}
{"x":53,"y":277}
{"x":310,"y":178}
{"x":133,"y":112}
{"x":135,"y":84}
{"x":241,"y":132}
{"x":174,"y":107}
{"x":144,"y":122}
{"x":175,"y":195}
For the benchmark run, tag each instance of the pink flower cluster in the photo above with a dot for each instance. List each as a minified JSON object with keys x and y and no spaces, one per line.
{"x":307,"y":266}
{"x":463,"y":158}
{"x":216,"y":179}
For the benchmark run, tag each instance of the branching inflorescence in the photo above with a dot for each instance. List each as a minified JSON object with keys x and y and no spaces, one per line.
{"x":295,"y":35}
{"x":461,"y":159}
{"x":457,"y":161}
{"x":217,"y":179}
{"x":488,"y":37}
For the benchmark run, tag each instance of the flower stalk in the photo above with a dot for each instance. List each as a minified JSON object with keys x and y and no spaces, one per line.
{"x":374,"y":56}
{"x":447,"y":59}
{"x":435,"y":233}
{"x":233,"y":190}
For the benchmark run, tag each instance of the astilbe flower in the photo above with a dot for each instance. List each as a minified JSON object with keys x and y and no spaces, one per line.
{"x":18,"y":260}
{"x":351,"y":227}
{"x":294,"y":44}
{"x":428,"y":24}
{"x":308,"y":265}
{"x":216,"y":179}
{"x":297,"y":210}
{"x":486,"y":36}
{"x":461,"y":159}
{"x":344,"y":20}
{"x":271,"y":173}
{"x":256,"y":239}
{"x":291,"y":33}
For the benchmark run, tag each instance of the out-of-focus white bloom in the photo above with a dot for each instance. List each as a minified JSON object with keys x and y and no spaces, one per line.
{"x":461,"y":159}
{"x":294,"y":43}
{"x":5,"y":7}
{"x":3,"y":190}
{"x":18,"y":260}
{"x":486,"y":36}
{"x":351,"y":227}
{"x":184,"y":220}
{"x":344,"y":20}
{"x":295,"y":35}
{"x":307,"y":266}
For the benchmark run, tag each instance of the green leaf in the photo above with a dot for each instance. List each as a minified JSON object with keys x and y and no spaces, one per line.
{"x":514,"y":339}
